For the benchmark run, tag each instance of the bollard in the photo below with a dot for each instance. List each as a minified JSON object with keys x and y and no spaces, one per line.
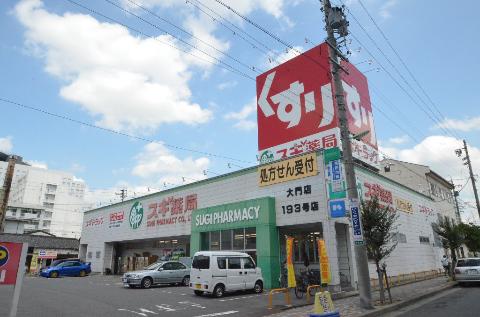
{"x":277,"y":291}
{"x":309,"y":288}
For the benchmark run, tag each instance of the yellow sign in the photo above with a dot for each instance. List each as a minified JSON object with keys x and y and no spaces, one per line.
{"x":290,"y":270}
{"x":33,"y":263}
{"x":323,"y":303}
{"x":404,"y":205}
{"x":287,"y":170}
{"x":324,"y":263}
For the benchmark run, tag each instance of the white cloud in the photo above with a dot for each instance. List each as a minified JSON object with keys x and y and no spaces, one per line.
{"x":242,"y":117}
{"x":438,"y":152}
{"x":37,"y":164}
{"x":386,"y":9}
{"x":6,"y":144}
{"x":399,"y":140}
{"x":466,"y":125}
{"x":124,"y":81}
{"x":158,"y":163}
{"x":227,"y":84}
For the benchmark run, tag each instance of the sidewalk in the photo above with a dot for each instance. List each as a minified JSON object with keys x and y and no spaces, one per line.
{"x":350,"y":307}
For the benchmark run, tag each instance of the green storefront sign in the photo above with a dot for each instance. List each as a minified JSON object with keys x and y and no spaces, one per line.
{"x":255,"y":213}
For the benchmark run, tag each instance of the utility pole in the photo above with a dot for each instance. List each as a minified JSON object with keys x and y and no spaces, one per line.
{"x":360,"y":249}
{"x":470,"y":168}
{"x":455,"y":195}
{"x":7,"y":184}
{"x":122,"y":194}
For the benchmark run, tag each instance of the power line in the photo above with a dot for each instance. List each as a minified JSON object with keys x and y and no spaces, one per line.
{"x":432,"y":115}
{"x":402,"y":61}
{"x":219,"y":63}
{"x":63,"y":117}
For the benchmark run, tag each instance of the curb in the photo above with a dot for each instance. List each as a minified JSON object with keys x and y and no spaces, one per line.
{"x":407,"y":302}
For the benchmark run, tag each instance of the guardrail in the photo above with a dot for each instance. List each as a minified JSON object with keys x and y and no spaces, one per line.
{"x":408,"y":278}
{"x":278,"y":291}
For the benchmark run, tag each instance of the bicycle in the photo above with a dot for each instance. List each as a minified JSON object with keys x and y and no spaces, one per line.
{"x":305,"y":279}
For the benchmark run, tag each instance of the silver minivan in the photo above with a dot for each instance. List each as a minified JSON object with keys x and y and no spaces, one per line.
{"x":217,"y":272}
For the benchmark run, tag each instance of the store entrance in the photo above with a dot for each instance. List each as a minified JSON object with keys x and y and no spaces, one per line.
{"x":135,"y":255}
{"x":305,"y":251}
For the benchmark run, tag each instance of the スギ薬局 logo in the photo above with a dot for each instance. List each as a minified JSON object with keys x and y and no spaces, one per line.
{"x":136,"y":215}
{"x":3,"y":255}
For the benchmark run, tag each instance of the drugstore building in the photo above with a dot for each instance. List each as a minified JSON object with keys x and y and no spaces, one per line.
{"x":253,"y":210}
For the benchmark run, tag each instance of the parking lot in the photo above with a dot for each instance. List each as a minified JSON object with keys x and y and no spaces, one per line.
{"x":106,"y":296}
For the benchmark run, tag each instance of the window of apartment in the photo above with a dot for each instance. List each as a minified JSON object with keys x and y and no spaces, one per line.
{"x":424,"y":239}
{"x":97,"y":254}
{"x":89,"y":255}
{"x":48,"y":205}
{"x":46,"y":223}
{"x":51,"y":187}
{"x":399,"y":237}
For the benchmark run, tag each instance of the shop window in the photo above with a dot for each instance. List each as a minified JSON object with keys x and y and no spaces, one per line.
{"x":215,"y":240}
{"x":234,"y":264}
{"x":226,"y":239}
{"x":222,"y":263}
{"x":238,"y":239}
{"x":250,"y":238}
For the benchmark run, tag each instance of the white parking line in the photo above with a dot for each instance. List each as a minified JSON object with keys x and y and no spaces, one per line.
{"x":219,"y":314}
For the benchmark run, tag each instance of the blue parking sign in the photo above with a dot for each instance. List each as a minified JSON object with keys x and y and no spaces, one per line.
{"x":337,"y":208}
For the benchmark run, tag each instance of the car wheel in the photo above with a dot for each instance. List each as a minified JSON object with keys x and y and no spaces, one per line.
{"x":258,"y":288}
{"x":186,"y":281}
{"x":53,"y":274}
{"x":218,"y":291}
{"x":82,"y":273}
{"x":146,"y":282}
{"x":198,"y":293}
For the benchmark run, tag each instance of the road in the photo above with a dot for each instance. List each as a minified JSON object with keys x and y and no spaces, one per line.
{"x":106,"y":296}
{"x":459,"y":302}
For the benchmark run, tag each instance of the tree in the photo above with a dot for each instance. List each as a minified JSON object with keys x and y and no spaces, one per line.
{"x":379,"y":229}
{"x":451,"y":235}
{"x":471,"y":237}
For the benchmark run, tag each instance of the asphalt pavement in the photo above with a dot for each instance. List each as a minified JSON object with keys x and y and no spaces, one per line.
{"x":106,"y":296}
{"x":458,"y":302}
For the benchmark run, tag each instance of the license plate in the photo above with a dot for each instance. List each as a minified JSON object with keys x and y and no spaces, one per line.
{"x":198,"y":286}
{"x":472,"y":272}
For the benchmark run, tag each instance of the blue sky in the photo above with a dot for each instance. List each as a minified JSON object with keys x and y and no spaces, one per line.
{"x":61,"y":58}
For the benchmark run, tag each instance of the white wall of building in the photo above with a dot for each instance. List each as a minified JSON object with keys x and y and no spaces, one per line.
{"x":412,"y":256}
{"x":57,"y":192}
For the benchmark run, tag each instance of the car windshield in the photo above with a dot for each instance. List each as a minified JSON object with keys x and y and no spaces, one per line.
{"x":468,"y":262}
{"x":153,"y":266}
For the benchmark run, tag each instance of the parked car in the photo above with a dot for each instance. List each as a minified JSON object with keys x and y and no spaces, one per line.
{"x":170,"y":272}
{"x":467,"y":270}
{"x":217,"y":272}
{"x":68,"y":268}
{"x":57,"y":262}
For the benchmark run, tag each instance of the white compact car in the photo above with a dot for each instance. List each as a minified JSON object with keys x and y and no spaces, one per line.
{"x":217,"y":272}
{"x":467,"y":270}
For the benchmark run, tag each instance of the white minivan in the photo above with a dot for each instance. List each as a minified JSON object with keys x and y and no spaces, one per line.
{"x":217,"y":272}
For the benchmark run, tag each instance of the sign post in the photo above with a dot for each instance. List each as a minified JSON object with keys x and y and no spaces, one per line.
{"x":12,"y":269}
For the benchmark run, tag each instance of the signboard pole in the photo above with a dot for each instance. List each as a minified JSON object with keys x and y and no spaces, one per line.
{"x":19,"y":281}
{"x":359,"y":247}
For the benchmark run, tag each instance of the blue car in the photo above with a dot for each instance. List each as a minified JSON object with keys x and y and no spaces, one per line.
{"x":68,"y":268}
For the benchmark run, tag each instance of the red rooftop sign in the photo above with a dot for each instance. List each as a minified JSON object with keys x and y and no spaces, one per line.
{"x":296,"y":113}
{"x":9,"y":261}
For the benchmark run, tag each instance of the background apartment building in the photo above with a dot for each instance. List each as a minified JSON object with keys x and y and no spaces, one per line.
{"x":43,"y":199}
